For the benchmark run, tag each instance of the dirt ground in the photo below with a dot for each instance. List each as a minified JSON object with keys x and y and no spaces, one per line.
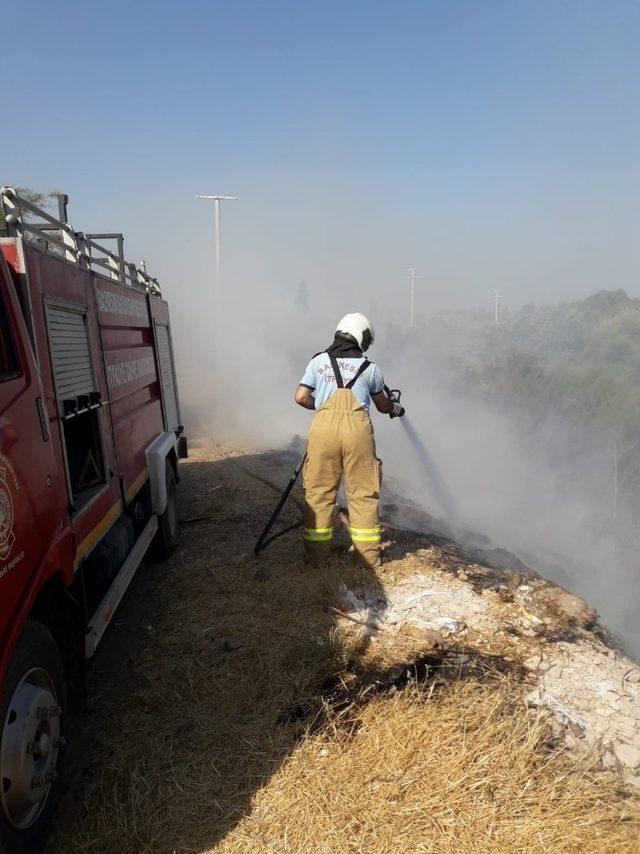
{"x":242,"y":705}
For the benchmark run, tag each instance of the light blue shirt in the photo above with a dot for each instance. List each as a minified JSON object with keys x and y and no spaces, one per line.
{"x":320,"y":379}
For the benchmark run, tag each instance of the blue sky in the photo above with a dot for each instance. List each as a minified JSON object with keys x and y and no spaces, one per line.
{"x":490,"y":144}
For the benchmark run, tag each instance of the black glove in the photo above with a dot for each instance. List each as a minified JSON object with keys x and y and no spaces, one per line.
{"x":397,"y":411}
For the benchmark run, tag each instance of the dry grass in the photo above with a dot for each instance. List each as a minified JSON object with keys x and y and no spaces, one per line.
{"x":464,"y":770}
{"x":190,"y":751}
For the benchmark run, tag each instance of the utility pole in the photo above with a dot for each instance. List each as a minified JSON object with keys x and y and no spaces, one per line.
{"x":496,"y":301}
{"x":216,"y":242}
{"x":412,"y":278}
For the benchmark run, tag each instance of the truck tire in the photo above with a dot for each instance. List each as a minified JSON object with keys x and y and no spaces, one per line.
{"x":165,"y":541}
{"x":33,"y":711}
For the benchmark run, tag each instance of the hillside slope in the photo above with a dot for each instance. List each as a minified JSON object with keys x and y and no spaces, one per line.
{"x":245,"y":705}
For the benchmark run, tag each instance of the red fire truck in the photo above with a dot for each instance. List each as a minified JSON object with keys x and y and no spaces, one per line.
{"x":90,"y":438}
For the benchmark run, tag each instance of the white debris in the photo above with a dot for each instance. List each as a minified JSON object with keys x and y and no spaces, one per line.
{"x":628,"y":755}
{"x":592,"y":690}
{"x":448,"y":624}
{"x":412,"y":599}
{"x":350,"y":600}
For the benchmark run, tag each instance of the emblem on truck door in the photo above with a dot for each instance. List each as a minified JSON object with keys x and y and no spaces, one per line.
{"x":7,"y":537}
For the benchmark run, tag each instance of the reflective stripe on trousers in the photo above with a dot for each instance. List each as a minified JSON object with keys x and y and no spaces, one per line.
{"x":365,"y":535}
{"x":318,"y":535}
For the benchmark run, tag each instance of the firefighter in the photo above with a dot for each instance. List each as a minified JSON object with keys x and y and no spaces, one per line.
{"x":340,"y":384}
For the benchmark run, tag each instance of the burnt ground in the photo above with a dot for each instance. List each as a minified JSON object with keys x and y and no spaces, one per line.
{"x":218,"y":663}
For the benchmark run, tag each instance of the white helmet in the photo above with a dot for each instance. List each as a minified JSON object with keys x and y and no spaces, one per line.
{"x":359,"y":328}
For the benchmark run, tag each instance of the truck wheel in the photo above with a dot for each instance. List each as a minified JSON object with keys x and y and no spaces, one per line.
{"x":32,"y":717}
{"x":166,"y":539}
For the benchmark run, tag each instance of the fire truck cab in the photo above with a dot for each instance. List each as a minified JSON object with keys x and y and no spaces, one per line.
{"x":90,"y":438}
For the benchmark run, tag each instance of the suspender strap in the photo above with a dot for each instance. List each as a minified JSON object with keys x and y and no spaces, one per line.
{"x":363,"y":367}
{"x":336,"y":371}
{"x":338,"y":374}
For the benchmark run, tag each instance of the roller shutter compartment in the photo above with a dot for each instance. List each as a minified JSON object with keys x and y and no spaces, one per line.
{"x":167,"y":377}
{"x":70,"y":351}
{"x":75,"y":380}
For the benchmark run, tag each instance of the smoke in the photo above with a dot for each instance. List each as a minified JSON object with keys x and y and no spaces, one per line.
{"x":427,"y":473}
{"x":544,"y":496}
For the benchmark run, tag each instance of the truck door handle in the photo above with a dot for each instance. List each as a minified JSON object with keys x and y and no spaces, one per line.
{"x":42,"y":418}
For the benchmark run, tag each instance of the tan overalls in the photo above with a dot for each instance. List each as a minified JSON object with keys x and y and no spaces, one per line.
{"x":341,"y":440}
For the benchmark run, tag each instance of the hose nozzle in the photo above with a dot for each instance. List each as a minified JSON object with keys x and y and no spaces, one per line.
{"x":394,"y":395}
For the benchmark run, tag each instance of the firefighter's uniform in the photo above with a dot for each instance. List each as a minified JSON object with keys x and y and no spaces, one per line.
{"x":341,"y":440}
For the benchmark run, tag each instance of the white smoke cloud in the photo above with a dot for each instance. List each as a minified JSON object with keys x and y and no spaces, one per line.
{"x":238,"y":383}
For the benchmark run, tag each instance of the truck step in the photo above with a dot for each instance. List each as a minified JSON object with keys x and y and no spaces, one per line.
{"x":100,"y":620}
